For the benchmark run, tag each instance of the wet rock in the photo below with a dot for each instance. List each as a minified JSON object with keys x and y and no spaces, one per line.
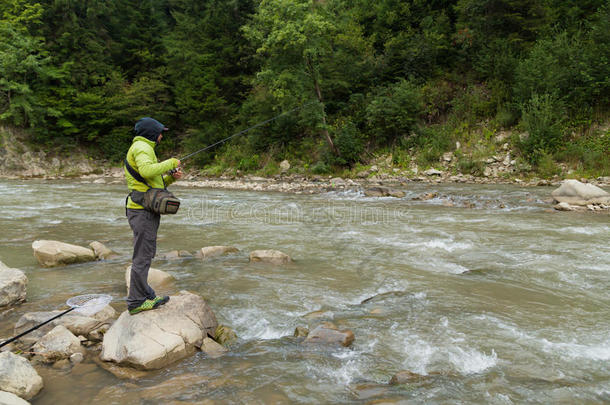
{"x":13,"y":285}
{"x":154,"y":339}
{"x":92,"y":327}
{"x":8,"y":398}
{"x":563,"y":206}
{"x":214,"y":251}
{"x":329,"y":334}
{"x":426,"y":196}
{"x":319,"y":315}
{"x":404,"y":377}
{"x":383,"y":192}
{"x":270,"y":256}
{"x":50,"y":253}
{"x":17,"y":376}
{"x":175,"y":255}
{"x":156,"y":278}
{"x":574,"y":192}
{"x":101,"y":251}
{"x":225,"y":335}
{"x":301,"y":332}
{"x":77,"y":358}
{"x":212,"y":348}
{"x":284,"y":166}
{"x":57,"y":345}
{"x":368,"y":390}
{"x":123,"y":373}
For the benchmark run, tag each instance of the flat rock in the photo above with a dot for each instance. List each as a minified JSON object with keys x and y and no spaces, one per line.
{"x":13,"y":283}
{"x":214,"y":251}
{"x":8,"y":398}
{"x":404,"y":376}
{"x":51,"y":253}
{"x":153,"y":339}
{"x":58,"y":344}
{"x":156,"y":278}
{"x":574,"y":192}
{"x":433,"y":172}
{"x":329,"y":334}
{"x":270,"y":256}
{"x":18,"y":377}
{"x":101,"y":251}
{"x":91,"y":326}
{"x":383,"y":192}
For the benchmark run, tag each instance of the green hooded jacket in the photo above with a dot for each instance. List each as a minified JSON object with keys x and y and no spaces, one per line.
{"x":141,"y":156}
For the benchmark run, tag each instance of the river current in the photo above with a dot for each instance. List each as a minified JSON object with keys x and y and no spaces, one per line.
{"x":482,"y":290}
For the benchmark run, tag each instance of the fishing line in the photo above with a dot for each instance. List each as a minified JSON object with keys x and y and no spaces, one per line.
{"x":260,"y":124}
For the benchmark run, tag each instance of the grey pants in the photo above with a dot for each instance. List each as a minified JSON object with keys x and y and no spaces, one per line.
{"x":144,"y":225}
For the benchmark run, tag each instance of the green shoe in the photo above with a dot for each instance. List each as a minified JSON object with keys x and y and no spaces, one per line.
{"x":145,"y":306}
{"x":161,"y":301}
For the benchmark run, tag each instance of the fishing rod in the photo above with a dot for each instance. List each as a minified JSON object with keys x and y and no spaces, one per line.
{"x":260,"y":124}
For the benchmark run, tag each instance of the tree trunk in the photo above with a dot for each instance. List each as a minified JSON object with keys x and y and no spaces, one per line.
{"x":331,"y":144}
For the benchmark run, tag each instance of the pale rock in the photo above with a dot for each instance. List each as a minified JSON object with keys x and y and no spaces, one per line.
{"x":212,"y":349}
{"x":156,"y":278}
{"x":77,"y":358}
{"x":58,"y":344}
{"x":447,"y":157}
{"x":50,"y":253}
{"x":563,"y":206}
{"x":284,"y":166}
{"x":92,"y":326}
{"x":270,"y":256}
{"x":329,"y":334}
{"x":214,"y":251}
{"x":337,"y":181}
{"x":487,"y":172}
{"x":374,"y":168}
{"x":458,"y":145}
{"x":13,"y":283}
{"x":8,"y":398}
{"x":154,"y":339}
{"x":101,"y":251}
{"x":576,"y":193}
{"x":17,"y":376}
{"x":433,"y":172}
{"x":506,"y":161}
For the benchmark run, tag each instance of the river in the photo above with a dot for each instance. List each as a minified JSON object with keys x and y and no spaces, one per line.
{"x":502,"y":301}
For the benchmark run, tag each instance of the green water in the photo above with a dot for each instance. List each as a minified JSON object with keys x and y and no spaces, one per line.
{"x":493,"y":305}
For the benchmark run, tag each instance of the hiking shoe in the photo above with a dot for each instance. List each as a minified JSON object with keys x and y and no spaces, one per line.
{"x":149,"y":304}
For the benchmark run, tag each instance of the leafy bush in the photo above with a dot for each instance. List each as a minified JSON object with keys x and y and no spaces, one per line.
{"x":350,"y":145}
{"x":394,"y":111}
{"x":543,"y":118}
{"x":468,"y":165}
{"x":320,"y":168}
{"x":431,"y":142}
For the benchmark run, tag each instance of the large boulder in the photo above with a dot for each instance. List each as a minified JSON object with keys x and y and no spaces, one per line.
{"x":153,"y":339}
{"x":8,"y":398}
{"x":269,"y":256}
{"x":329,"y":334}
{"x":51,"y":253}
{"x":213,"y":251}
{"x":574,"y":192}
{"x":156,"y":278}
{"x":13,"y":284}
{"x":18,"y":376}
{"x":91,"y":326}
{"x":58,"y":344}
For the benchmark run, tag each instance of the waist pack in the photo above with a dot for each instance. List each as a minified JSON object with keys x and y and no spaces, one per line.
{"x":157,"y":200}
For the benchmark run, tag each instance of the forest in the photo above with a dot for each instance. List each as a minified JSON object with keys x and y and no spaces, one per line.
{"x":405,"y":78}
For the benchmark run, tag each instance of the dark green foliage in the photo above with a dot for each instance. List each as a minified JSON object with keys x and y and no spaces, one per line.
{"x":394,"y":111}
{"x":368,"y":75}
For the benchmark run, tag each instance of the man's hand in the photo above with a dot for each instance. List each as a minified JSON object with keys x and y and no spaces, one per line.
{"x":177,"y":173}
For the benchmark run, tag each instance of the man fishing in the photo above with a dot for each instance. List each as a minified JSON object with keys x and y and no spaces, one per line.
{"x":144,"y":223}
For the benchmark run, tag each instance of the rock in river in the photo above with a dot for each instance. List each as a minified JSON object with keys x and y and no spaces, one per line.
{"x":13,"y":284}
{"x":8,"y":398}
{"x":18,"y":376}
{"x":269,"y":256}
{"x":383,"y":192}
{"x":51,"y":253}
{"x":329,"y":334}
{"x":574,"y":192}
{"x":213,"y":251}
{"x":156,"y":278}
{"x":153,"y":339}
{"x":101,"y":251}
{"x":58,"y":344}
